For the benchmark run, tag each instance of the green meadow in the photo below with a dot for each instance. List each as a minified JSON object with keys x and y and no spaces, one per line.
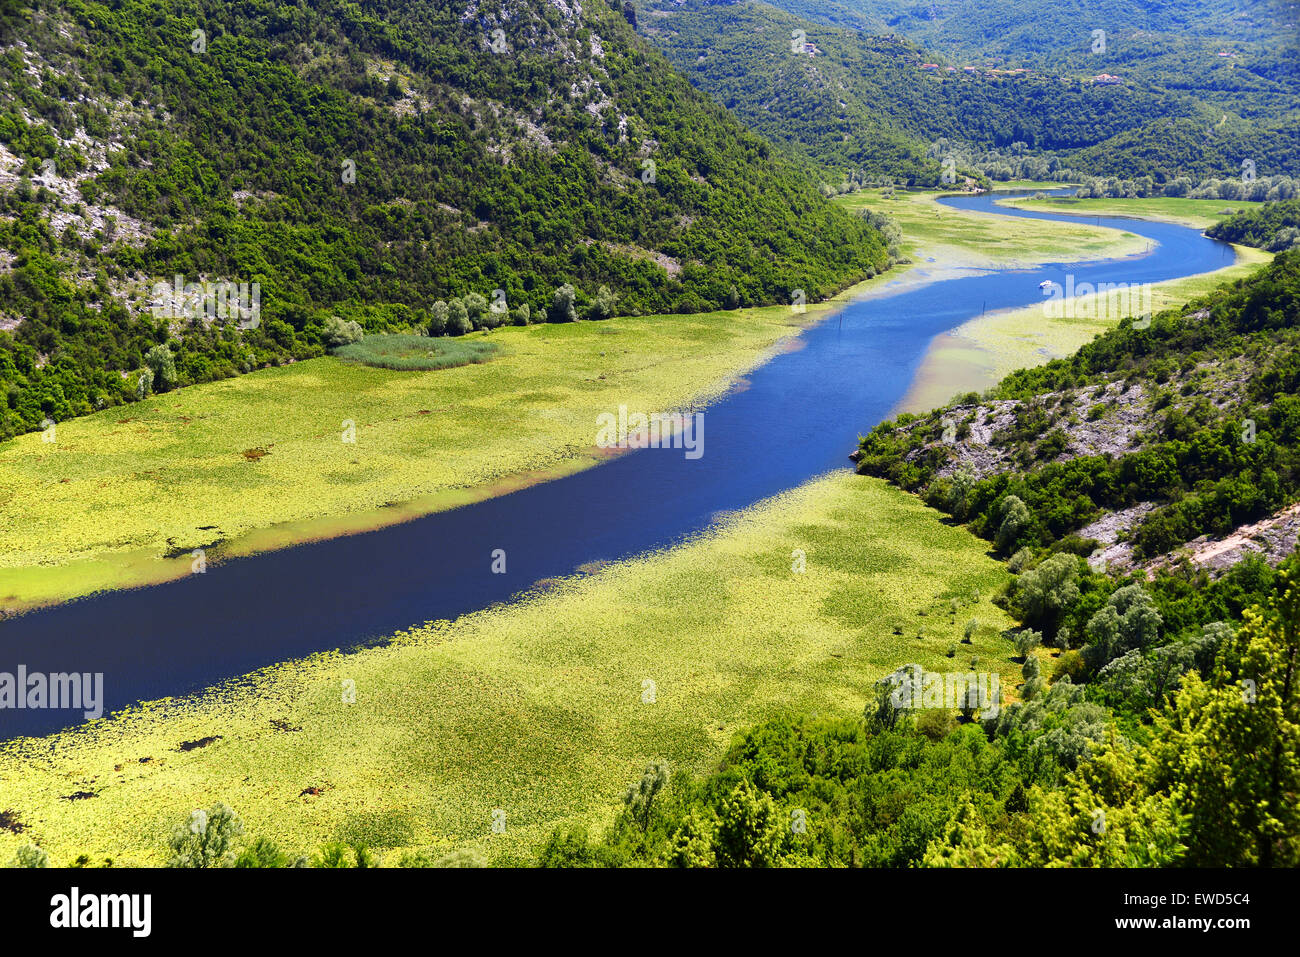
{"x":959,"y":238}
{"x":546,"y":708}
{"x":1198,"y":213}
{"x":332,"y":445}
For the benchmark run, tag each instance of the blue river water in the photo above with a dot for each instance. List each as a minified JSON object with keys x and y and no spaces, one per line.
{"x":798,"y":418}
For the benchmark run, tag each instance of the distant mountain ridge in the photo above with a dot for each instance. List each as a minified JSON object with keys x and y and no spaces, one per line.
{"x":851,"y":98}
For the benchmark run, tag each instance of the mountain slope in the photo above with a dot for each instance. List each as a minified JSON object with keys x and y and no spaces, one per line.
{"x":849,"y":100}
{"x":363,"y":159}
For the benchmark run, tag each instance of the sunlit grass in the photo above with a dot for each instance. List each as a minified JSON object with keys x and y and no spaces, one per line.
{"x":959,"y":238}
{"x":537,"y":708}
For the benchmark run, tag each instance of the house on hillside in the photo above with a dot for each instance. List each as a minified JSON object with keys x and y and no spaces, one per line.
{"x":1106,"y":78}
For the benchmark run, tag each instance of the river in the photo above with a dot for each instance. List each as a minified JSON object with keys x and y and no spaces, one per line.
{"x":799,"y":416}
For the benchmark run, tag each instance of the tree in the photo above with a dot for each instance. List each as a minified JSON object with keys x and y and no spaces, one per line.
{"x":640,"y":797}
{"x":1016,"y":518}
{"x":521,"y":315}
{"x":1045,"y":593}
{"x":562,"y":304}
{"x":438,"y":314}
{"x":458,"y":318}
{"x":1027,"y":640}
{"x":751,"y":831}
{"x":1129,"y":621}
{"x":476,"y":307}
{"x":1227,"y":747}
{"x":206,"y":838}
{"x":162,"y":364}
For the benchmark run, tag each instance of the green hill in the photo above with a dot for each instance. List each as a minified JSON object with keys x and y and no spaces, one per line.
{"x":846,"y":99}
{"x":363,"y":160}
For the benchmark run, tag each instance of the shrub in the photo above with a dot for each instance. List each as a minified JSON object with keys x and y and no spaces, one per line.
{"x":936,"y":723}
{"x":340,"y":333}
{"x":29,"y":855}
{"x":602,"y":307}
{"x":206,"y":838}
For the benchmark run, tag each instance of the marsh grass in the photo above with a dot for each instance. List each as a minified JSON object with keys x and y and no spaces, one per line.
{"x":404,"y":352}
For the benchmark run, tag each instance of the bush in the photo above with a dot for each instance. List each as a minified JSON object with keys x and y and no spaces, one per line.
{"x":458,"y":318}
{"x":521,"y":315}
{"x":1070,"y":665}
{"x":936,"y":723}
{"x":29,"y":855}
{"x":206,"y":838}
{"x":340,"y":333}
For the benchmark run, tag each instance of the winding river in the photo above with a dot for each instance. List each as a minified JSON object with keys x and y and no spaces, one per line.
{"x":798,"y":417}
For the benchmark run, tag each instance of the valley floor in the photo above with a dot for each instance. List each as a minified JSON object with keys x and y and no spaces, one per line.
{"x":546,"y":708}
{"x":122,"y":497}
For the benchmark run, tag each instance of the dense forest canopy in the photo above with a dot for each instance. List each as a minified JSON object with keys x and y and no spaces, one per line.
{"x":875,"y":98}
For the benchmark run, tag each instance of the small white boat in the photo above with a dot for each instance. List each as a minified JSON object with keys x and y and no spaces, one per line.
{"x":1045,"y":284}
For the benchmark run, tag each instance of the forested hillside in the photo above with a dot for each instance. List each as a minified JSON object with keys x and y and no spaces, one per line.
{"x":363,"y":160}
{"x":1239,"y":56}
{"x":873,"y":101}
{"x":1273,"y":226}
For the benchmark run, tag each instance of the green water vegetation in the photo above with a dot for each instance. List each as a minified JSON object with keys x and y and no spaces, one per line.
{"x":415,"y":353}
{"x":255,"y":461}
{"x":542,"y":710}
{"x":364,"y":160}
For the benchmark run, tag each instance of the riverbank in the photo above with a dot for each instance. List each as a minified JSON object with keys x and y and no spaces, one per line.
{"x":325,"y":447}
{"x":963,"y":239}
{"x":982,"y":351}
{"x":125,"y":497}
{"x":545,"y":708}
